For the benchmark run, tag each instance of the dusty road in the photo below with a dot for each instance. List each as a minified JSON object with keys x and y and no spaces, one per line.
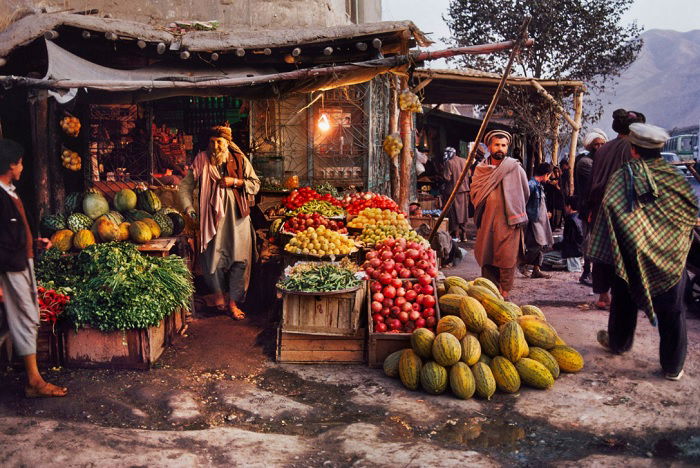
{"x":216,"y":398}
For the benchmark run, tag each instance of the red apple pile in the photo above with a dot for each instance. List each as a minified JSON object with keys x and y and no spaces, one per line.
{"x":401,"y":306}
{"x":403,"y":297}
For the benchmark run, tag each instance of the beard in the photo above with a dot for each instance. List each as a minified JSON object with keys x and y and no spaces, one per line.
{"x":217,"y":158}
{"x":498,"y":155}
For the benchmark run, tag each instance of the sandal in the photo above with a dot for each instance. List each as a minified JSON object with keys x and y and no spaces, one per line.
{"x":602,"y":305}
{"x":46,"y":390}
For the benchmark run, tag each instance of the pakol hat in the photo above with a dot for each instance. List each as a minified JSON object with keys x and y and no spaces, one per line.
{"x":221,"y":131}
{"x":497,"y":134}
{"x":647,"y":136}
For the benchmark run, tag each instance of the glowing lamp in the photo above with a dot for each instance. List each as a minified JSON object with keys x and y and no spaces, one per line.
{"x":323,"y":123}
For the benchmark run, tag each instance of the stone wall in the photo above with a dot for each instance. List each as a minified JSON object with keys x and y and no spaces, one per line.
{"x":277,"y":14}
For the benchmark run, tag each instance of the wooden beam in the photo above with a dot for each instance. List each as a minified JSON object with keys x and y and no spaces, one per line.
{"x":543,"y":92}
{"x":421,"y":85}
{"x":394,"y":128}
{"x":405,"y":157}
{"x":578,"y":112}
{"x":38,"y":123}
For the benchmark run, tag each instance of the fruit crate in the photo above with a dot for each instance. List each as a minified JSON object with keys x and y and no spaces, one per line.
{"x":381,"y":345}
{"x":299,"y":348}
{"x":336,"y":313}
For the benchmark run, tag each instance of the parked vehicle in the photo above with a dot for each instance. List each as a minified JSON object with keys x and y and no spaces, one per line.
{"x":685,"y":146}
{"x":672,"y":158}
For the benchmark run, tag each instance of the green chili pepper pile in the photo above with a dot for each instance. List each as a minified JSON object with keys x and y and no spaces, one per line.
{"x":321,"y":207}
{"x":324,"y":277}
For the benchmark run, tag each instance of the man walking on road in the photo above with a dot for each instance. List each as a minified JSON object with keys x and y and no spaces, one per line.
{"x":500,"y":192}
{"x":19,"y":289}
{"x":643,"y":233}
{"x":538,"y":235}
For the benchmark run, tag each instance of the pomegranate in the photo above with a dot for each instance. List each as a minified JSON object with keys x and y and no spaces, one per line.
{"x":380,"y":327}
{"x":403,"y":316}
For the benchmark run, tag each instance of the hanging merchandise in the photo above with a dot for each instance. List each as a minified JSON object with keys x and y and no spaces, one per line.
{"x":70,"y":160}
{"x":392,"y":144}
{"x":70,"y":125}
{"x":408,"y":101}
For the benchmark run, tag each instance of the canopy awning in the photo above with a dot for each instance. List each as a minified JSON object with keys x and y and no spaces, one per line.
{"x":469,"y":86}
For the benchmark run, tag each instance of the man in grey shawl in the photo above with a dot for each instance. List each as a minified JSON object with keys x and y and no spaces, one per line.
{"x":499,"y":191}
{"x":226,"y":240}
{"x":459,"y":211}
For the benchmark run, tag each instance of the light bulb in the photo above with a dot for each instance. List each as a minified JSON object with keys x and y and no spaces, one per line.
{"x":323,"y":123}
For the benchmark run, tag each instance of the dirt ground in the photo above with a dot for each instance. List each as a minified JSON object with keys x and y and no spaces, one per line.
{"x":217,"y":398}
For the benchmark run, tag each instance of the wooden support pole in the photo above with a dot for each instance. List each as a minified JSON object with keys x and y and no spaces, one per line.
{"x":53,"y":148}
{"x":394,"y":128}
{"x":543,"y":92}
{"x":578,"y":112}
{"x":406,"y":155}
{"x":555,"y":140}
{"x":540,"y":154}
{"x":38,"y":123}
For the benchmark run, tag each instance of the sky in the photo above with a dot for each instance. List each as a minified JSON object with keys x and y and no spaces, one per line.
{"x":679,"y":15}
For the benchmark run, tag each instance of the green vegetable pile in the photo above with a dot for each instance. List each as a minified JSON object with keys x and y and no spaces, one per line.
{"x":321,"y":207}
{"x":323,"y":277}
{"x":326,"y":188}
{"x":118,"y":288}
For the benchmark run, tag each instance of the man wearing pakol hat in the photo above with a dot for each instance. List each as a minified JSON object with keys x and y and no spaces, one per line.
{"x":499,"y":191}
{"x":593,"y":140}
{"x":225,"y":179}
{"x":458,"y":215}
{"x":643,"y":231}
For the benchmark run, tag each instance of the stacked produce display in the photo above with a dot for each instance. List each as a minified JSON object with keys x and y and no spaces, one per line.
{"x":321,"y":277}
{"x":482,"y":344}
{"x":135,"y":215}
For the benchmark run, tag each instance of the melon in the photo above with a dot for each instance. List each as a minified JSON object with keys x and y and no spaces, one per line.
{"x":488,"y":284}
{"x":62,"y":240}
{"x":410,"y":365}
{"x":124,"y":231}
{"x":498,"y":311}
{"x":538,"y":332}
{"x":178,"y":222}
{"x":452,"y":324}
{"x":391,"y":364}
{"x":165,"y":224}
{"x":511,"y":342}
{"x":505,"y":374}
{"x":433,"y":378}
{"x":79,"y":221}
{"x":422,"y":342}
{"x":489,"y":341}
{"x":95,"y":204}
{"x":483,"y":380}
{"x":83,"y":239}
{"x":155,"y":228}
{"x":107,"y":230}
{"x":471,"y":349}
{"x":545,"y":358}
{"x":533,"y":310}
{"x":147,"y":200}
{"x":462,"y":381}
{"x":447,"y":349}
{"x":472,"y":314}
{"x":52,"y":223}
{"x":534,"y":374}
{"x":140,"y":232}
{"x":568,"y":358}
{"x":124,"y":200}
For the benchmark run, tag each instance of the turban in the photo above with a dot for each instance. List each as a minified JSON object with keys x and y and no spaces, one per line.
{"x":647,"y":136}
{"x":449,"y":153}
{"x":497,"y":134}
{"x":594,"y":135}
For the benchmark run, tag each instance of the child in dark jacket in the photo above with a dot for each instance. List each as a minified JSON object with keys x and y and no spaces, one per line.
{"x":567,"y":253}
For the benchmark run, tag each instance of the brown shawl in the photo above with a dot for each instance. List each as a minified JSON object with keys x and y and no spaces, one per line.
{"x":515,"y":189}
{"x":608,"y":159}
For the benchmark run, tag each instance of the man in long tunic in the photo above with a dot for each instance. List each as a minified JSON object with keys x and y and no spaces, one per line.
{"x":459,"y":211}
{"x":499,"y":190}
{"x":226,"y":241}
{"x":643,"y":232}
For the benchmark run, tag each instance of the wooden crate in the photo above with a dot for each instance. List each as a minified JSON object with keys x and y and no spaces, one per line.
{"x":296,"y":348}
{"x":335,"y":314}
{"x":417,"y":221}
{"x":124,"y":349}
{"x":380,"y":345}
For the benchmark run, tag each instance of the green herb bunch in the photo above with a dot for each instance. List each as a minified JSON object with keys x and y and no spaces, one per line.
{"x":323,"y":277}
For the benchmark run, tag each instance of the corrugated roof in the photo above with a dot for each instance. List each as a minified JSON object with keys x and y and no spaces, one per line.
{"x":31,"y":27}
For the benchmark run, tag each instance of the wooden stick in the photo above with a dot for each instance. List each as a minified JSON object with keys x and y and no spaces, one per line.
{"x":543,"y":92}
{"x":517,"y":45}
{"x":395,"y":180}
{"x":555,"y":140}
{"x":384,"y":63}
{"x":405,"y":121}
{"x":578,"y":111}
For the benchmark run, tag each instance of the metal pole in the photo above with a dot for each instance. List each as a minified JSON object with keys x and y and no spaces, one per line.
{"x":472,"y":153}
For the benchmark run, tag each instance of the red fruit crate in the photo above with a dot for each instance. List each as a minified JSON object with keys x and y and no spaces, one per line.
{"x":381,"y":345}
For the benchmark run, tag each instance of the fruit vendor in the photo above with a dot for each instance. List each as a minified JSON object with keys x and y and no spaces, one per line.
{"x":226,"y":180}
{"x":499,"y":192}
{"x":19,"y":288}
{"x":459,"y":211}
{"x":643,"y":232}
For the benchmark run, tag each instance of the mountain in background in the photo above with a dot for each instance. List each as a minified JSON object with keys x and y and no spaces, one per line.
{"x":663,"y":83}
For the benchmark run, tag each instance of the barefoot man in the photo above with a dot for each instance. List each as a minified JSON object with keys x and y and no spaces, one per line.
{"x":225,"y":179}
{"x":17,"y":272}
{"x":499,"y":192}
